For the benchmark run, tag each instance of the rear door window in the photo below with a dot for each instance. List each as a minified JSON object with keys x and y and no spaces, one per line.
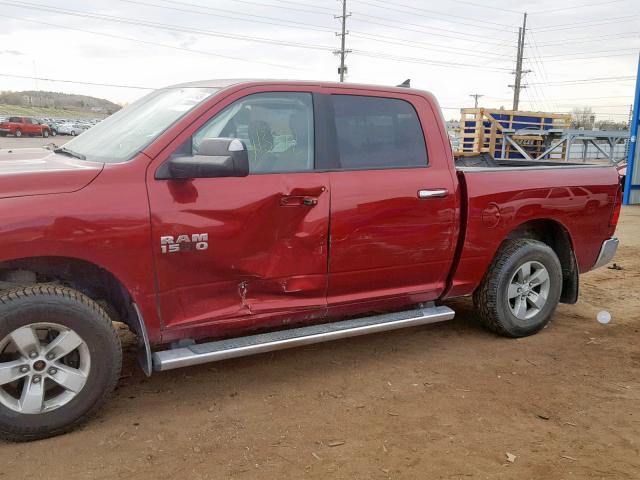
{"x":376,"y":132}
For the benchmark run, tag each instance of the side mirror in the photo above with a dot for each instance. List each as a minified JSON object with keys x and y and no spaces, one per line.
{"x":216,"y":157}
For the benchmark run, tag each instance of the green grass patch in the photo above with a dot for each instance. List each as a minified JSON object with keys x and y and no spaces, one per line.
{"x":6,"y":110}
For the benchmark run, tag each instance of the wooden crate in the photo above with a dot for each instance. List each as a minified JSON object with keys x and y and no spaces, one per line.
{"x":481,"y":131}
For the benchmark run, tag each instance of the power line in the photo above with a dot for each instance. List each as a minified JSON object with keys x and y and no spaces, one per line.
{"x":413,"y":11}
{"x":304,"y":4}
{"x":541,"y":67}
{"x":439,"y":63}
{"x":590,"y":52}
{"x":418,"y":44}
{"x":589,"y":39}
{"x":424,"y":31}
{"x":164,"y":26}
{"x":261,"y":4}
{"x":75,"y":81}
{"x":148,"y":42}
{"x":487,"y":6}
{"x":573,"y":58}
{"x":589,"y":80}
{"x":576,"y":7}
{"x":590,"y":23}
{"x":275,"y":21}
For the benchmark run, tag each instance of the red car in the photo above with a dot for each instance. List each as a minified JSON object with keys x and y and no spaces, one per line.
{"x":226,"y":218}
{"x":19,"y":126}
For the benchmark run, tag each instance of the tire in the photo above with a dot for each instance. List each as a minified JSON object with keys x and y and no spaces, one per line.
{"x":54,"y":132}
{"x":18,"y":133}
{"x":85,"y":355}
{"x":45,"y":133}
{"x":515,"y":313}
{"x":73,"y":133}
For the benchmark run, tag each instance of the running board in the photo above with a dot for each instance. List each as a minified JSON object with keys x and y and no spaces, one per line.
{"x":279,"y":340}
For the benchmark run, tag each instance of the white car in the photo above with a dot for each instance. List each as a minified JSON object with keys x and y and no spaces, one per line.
{"x":71,"y":129}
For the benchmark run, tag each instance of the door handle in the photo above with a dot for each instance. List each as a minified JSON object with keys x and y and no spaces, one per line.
{"x":298,"y":200}
{"x":436,"y":193}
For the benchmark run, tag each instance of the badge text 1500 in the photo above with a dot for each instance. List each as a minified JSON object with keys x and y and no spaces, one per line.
{"x":171,"y":244}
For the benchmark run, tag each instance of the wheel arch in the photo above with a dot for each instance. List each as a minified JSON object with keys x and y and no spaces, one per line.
{"x":89,"y":278}
{"x":557,"y":236}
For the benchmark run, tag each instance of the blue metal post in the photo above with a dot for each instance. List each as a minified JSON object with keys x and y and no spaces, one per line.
{"x":633,"y":140}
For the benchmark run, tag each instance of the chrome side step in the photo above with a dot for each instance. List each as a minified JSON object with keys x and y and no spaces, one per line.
{"x":267,"y":342}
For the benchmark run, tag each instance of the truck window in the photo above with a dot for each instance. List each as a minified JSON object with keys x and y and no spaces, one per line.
{"x":375,"y":132}
{"x":277,"y":128}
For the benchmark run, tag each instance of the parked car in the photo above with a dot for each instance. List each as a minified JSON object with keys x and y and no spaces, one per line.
{"x":207,"y":211}
{"x":71,"y":129}
{"x":53,"y":125}
{"x":19,"y":126}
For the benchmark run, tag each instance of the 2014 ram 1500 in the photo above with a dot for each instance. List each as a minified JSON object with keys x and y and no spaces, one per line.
{"x":223,"y":218}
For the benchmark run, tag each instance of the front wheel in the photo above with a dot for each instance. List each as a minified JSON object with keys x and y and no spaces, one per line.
{"x":521,"y":290}
{"x":59,"y":358}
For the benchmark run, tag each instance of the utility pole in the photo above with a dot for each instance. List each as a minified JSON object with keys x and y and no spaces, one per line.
{"x":517,"y":86}
{"x":476,"y":96}
{"x":342,"y":52}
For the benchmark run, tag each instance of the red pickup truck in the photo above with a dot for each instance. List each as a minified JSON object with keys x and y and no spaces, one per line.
{"x":225,"y":218}
{"x":19,"y":126}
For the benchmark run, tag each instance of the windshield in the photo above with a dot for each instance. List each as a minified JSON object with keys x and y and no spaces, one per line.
{"x":119,"y":137}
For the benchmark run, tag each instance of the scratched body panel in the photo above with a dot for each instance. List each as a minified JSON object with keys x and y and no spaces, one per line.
{"x":261,"y":257}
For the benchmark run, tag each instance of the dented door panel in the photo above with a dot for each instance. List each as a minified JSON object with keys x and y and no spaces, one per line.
{"x":234,"y":252}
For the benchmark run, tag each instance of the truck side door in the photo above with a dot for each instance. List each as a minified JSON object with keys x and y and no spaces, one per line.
{"x":236,"y":253}
{"x":394,"y":208}
{"x":32,"y":126}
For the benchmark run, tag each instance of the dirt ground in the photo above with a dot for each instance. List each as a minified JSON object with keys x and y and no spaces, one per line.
{"x":446,"y":401}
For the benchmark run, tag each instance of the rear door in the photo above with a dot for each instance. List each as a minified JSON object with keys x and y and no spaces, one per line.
{"x":394,"y":217}
{"x":233,"y":253}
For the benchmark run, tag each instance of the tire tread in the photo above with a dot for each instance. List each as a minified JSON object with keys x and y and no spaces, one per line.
{"x":56,"y":291}
{"x":485,"y":297}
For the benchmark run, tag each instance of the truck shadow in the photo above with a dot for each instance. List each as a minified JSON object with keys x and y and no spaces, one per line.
{"x":259,"y":373}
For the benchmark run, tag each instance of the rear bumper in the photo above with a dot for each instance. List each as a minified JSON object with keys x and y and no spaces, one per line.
{"x":607,"y":252}
{"x":5,"y":130}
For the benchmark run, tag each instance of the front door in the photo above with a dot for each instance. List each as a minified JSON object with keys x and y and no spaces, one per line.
{"x":235,"y":253}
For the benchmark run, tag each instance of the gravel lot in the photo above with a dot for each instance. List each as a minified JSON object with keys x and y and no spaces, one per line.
{"x":26,"y":142}
{"x":446,"y":401}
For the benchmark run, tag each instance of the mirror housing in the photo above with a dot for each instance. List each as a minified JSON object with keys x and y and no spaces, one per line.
{"x":216,"y":157}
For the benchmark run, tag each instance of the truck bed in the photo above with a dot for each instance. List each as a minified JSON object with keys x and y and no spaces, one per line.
{"x":484,"y":161}
{"x":499,"y":197}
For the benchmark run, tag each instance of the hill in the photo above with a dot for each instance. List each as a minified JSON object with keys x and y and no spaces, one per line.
{"x":54,"y":104}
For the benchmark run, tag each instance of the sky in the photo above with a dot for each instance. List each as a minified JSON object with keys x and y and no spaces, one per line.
{"x":579,"y":52}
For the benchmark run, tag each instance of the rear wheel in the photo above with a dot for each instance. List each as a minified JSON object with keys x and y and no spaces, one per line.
{"x":18,"y":133}
{"x":521,"y":289}
{"x":45,"y":133}
{"x":59,"y":358}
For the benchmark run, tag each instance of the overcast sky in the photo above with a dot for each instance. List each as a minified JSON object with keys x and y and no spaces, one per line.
{"x":453,"y":48}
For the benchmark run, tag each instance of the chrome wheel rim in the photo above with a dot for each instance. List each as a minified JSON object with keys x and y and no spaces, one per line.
{"x":43,"y":366}
{"x":528,"y":290}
